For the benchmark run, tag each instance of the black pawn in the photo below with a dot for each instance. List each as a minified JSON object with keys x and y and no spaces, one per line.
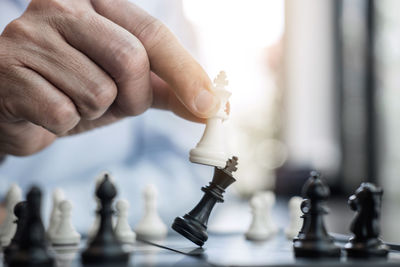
{"x":365,"y":242}
{"x":314,"y":241}
{"x":20,"y":211}
{"x":31,"y":249}
{"x":193,"y":225}
{"x":104,"y":248}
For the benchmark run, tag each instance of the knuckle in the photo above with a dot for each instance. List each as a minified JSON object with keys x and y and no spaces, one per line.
{"x":99,"y":97}
{"x":19,"y":28}
{"x":61,"y":6}
{"x":62,"y":117}
{"x":131,"y":59}
{"x":152,"y":31}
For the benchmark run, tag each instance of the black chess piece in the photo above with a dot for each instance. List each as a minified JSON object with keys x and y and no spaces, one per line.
{"x":365,"y":242}
{"x":193,"y":225}
{"x":314,"y":241}
{"x":104,"y":248}
{"x":31,"y":249}
{"x":20,"y":211}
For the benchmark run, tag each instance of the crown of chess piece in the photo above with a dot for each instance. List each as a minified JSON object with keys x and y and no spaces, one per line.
{"x":365,"y":242}
{"x":32,"y":246}
{"x":314,"y":241}
{"x":105,"y":248}
{"x":20,"y":212}
{"x":211,"y":148}
{"x":193,"y":225}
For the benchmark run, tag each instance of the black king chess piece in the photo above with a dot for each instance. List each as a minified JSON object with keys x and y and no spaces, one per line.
{"x":193,"y":225}
{"x":313,"y":240}
{"x":20,"y":211}
{"x":31,"y":249}
{"x":365,"y":242}
{"x":104,"y":248}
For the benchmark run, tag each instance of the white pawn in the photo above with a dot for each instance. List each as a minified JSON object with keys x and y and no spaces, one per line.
{"x":261,"y":227}
{"x":295,"y":220}
{"x":8,"y":227}
{"x":211,"y":149}
{"x":151,"y":226}
{"x":122,"y":229}
{"x":65,"y":233}
{"x":58,"y":196}
{"x":269,"y":202}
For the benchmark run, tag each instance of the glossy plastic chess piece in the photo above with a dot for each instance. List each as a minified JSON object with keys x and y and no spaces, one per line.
{"x":193,"y":225}
{"x":20,"y":211}
{"x":32,"y":246}
{"x":105,"y":248}
{"x":365,"y":242}
{"x":211,"y":149}
{"x":315,"y":242}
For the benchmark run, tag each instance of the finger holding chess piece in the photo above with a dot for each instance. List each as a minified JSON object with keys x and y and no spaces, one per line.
{"x":365,"y":242}
{"x":211,"y":148}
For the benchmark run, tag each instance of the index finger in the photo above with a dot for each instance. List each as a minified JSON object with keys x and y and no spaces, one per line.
{"x":168,"y":59}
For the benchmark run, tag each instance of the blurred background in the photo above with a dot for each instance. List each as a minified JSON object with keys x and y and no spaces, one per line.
{"x":315,"y":85}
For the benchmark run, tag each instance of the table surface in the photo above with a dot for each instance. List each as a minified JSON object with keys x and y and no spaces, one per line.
{"x":221,"y":250}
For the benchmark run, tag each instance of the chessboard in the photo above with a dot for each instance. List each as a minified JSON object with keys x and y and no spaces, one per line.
{"x":222,"y":250}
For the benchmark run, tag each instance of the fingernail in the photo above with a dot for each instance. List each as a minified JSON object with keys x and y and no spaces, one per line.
{"x":205,"y":102}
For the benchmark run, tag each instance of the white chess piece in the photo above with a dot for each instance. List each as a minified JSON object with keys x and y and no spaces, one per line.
{"x":65,"y":233}
{"x":151,"y":226}
{"x":122,"y":229}
{"x":295,"y":220}
{"x":211,"y":149}
{"x":269,"y":202}
{"x":58,"y":196}
{"x":261,"y":227}
{"x":8,"y":227}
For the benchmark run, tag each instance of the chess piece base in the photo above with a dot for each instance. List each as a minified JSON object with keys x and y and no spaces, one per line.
{"x":105,"y":255}
{"x":369,"y":249}
{"x":191,"y":229}
{"x":205,"y":156}
{"x":31,"y":259}
{"x":258,"y":236}
{"x":315,"y":249}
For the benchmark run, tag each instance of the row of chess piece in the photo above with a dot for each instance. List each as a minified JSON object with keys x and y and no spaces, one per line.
{"x":313,"y":240}
{"x":24,"y":240}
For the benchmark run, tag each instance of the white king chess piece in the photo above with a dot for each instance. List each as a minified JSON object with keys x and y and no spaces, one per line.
{"x":211,"y":149}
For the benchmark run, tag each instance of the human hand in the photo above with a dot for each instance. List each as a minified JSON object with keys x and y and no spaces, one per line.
{"x":67,"y":66}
